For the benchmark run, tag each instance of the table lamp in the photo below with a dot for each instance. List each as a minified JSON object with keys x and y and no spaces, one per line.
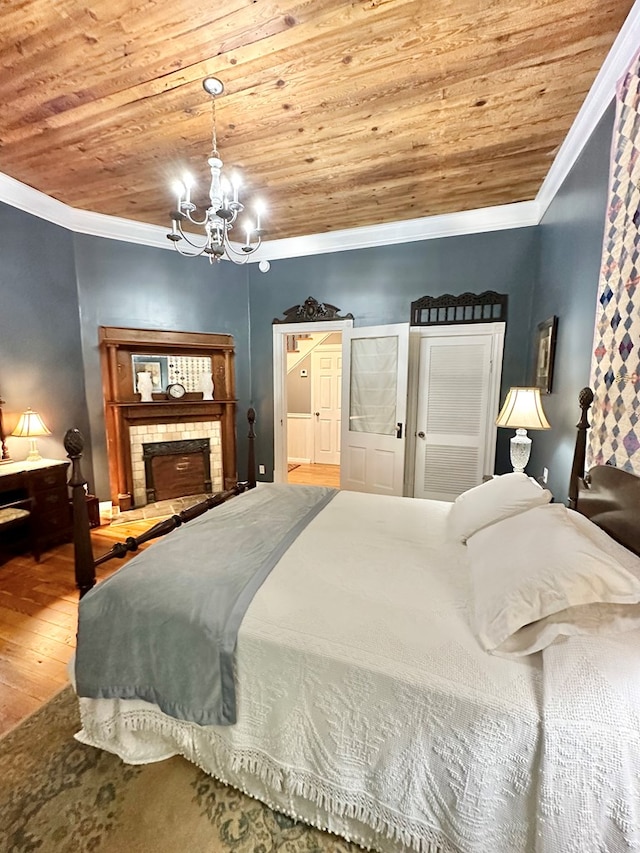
{"x":522,"y":410}
{"x":29,"y":426}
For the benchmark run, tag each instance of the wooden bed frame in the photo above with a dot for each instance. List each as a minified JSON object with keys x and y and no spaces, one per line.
{"x":85,"y":564}
{"x":608,"y":496}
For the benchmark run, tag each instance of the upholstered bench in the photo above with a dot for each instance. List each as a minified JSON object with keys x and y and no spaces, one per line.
{"x":18,"y":514}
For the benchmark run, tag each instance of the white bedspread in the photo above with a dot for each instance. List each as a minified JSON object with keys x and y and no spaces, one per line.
{"x":590,"y":781}
{"x":366,"y":705}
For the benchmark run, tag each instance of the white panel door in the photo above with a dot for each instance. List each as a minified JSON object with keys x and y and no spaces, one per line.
{"x":374,"y":403}
{"x":326,"y":370}
{"x":455,"y":394}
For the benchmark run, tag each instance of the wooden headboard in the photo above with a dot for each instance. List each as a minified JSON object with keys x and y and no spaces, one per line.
{"x":609,"y":496}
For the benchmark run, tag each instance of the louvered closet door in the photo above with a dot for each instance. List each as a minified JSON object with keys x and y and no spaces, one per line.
{"x":454,"y":394}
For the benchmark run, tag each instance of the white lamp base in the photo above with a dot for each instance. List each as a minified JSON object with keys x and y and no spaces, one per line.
{"x":520,"y":447}
{"x":33,"y":455}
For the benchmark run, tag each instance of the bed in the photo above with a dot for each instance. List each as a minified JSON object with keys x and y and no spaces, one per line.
{"x":397,"y":678}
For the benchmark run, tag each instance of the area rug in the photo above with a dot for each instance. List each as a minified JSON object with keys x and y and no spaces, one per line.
{"x":291,"y":466}
{"x":60,"y":796}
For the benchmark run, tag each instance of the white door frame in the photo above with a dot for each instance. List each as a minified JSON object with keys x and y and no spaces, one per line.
{"x":280,"y":330}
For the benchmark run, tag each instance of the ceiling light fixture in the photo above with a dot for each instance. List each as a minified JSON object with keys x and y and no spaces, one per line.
{"x":224,"y":207}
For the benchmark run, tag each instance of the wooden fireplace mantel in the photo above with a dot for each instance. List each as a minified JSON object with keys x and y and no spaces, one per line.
{"x":123,"y":408}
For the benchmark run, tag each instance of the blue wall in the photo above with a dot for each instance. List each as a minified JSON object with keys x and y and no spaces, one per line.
{"x":571,"y":236}
{"x":57,"y":288}
{"x":378,"y":285}
{"x":122,"y":284}
{"x":40,"y":350}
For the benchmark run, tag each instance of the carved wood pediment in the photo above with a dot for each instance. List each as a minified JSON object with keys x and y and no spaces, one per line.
{"x":312,"y":311}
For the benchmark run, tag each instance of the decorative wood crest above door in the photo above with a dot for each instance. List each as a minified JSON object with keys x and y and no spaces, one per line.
{"x":312,"y":311}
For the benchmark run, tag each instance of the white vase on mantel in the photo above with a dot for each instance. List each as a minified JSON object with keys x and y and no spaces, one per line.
{"x":206,"y":385}
{"x":145,"y":387}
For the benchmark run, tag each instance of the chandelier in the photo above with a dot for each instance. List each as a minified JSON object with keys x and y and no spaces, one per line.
{"x":224,"y":207}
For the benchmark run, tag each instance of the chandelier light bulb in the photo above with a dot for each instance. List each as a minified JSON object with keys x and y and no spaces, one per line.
{"x":188,"y":182}
{"x":236,"y":181}
{"x":179,"y":189}
{"x":220,"y":216}
{"x":259,"y":208}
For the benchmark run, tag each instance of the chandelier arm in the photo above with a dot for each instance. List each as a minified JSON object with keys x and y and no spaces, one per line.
{"x":189,"y":254}
{"x":242,"y":254}
{"x":193,"y":221}
{"x":185,"y":237}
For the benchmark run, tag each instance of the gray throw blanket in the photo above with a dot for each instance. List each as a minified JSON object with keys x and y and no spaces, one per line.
{"x":164,"y":627}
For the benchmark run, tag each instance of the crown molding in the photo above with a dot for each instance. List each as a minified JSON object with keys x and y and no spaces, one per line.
{"x":33,"y":201}
{"x":129,"y":231}
{"x":478,"y":221}
{"x":622,"y":52}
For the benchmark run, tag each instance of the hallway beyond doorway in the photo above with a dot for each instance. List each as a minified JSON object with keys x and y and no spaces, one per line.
{"x":315,"y":475}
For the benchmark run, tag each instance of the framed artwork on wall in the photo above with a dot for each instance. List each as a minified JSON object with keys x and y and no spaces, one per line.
{"x":544,"y":354}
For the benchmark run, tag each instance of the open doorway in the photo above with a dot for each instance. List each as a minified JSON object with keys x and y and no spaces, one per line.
{"x":307,"y":402}
{"x":314,"y":374}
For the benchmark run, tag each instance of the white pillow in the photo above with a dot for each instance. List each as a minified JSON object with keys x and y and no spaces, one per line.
{"x":498,"y":498}
{"x":537,"y":576}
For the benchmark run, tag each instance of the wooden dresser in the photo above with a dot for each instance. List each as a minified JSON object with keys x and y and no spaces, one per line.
{"x":45,"y":482}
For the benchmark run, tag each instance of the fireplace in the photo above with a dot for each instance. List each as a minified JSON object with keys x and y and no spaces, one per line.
{"x":186,"y":457}
{"x":176,"y":469}
{"x":130,"y":422}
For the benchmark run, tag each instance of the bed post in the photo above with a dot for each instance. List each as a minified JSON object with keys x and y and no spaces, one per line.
{"x":585,"y":399}
{"x":251,"y":454}
{"x":84,"y":565}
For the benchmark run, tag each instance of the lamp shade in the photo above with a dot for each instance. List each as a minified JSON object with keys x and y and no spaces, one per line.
{"x":29,"y":425}
{"x":523,"y":410}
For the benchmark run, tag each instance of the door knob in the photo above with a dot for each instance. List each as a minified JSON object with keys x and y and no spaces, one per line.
{"x":317,"y":414}
{"x":421,"y":434}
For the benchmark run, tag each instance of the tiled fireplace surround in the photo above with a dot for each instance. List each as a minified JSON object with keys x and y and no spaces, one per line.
{"x":140,"y":435}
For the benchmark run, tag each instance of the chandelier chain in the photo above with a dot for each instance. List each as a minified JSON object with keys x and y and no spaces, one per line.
{"x":214,"y":136}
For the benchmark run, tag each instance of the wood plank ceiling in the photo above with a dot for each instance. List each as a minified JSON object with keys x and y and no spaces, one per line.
{"x":339,"y":114}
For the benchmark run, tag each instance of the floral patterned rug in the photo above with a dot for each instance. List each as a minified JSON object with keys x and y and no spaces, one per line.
{"x":59,"y":796}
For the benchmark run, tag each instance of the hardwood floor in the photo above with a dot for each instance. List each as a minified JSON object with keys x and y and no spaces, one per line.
{"x":316,"y":475}
{"x":39,"y":604}
{"x":38,"y":613}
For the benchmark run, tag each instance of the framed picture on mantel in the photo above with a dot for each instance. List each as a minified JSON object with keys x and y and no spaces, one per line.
{"x":156,"y":365}
{"x":544,"y":354}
